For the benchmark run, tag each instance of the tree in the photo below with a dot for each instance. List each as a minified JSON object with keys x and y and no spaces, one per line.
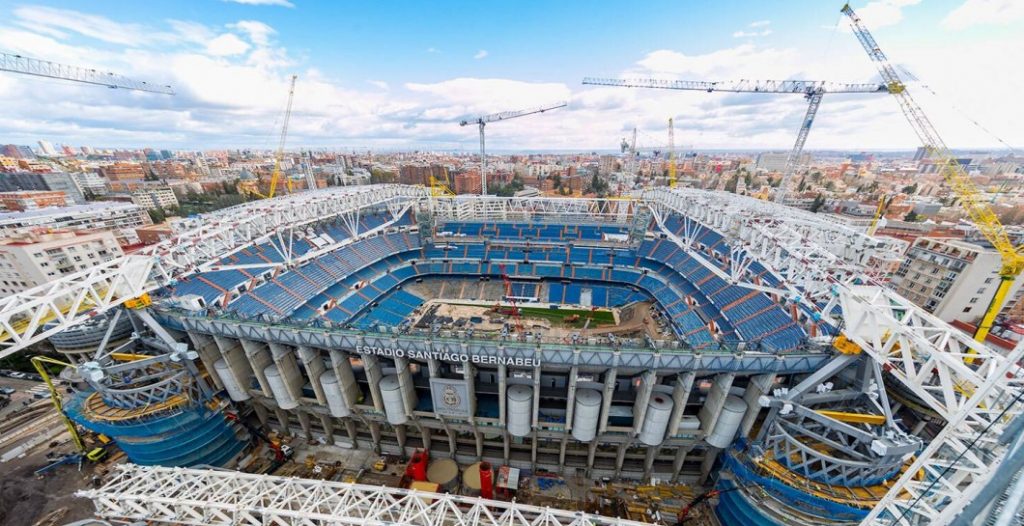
{"x":157,"y":215}
{"x":830,"y":185}
{"x":731,"y":185}
{"x":911,"y":217}
{"x":819,"y":201}
{"x":910,"y":189}
{"x":556,"y":181}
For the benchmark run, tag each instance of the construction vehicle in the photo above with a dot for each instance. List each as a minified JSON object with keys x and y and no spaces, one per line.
{"x":380,"y":464}
{"x":282,"y":452}
{"x":973,"y":201}
{"x":275,"y":175}
{"x":482,"y":121}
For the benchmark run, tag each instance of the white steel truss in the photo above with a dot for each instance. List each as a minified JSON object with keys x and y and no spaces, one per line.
{"x":489,"y":208}
{"x":227,"y":498}
{"x":33,"y":315}
{"x":977,"y":390}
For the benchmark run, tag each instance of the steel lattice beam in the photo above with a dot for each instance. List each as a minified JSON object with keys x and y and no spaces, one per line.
{"x":35,"y":314}
{"x":214,"y":498}
{"x":53,"y":70}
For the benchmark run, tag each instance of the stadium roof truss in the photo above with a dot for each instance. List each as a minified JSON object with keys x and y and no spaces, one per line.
{"x":229,"y":498}
{"x":975,"y":388}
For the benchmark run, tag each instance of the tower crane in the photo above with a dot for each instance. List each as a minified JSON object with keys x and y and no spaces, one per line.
{"x":813,"y":91}
{"x":44,"y":68}
{"x":974,"y":203}
{"x":671,"y":154}
{"x":483,"y":120}
{"x":275,"y":176}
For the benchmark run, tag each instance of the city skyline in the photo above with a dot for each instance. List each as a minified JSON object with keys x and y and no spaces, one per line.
{"x":406,"y":86}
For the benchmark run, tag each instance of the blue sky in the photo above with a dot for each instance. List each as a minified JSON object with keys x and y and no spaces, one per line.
{"x":400,"y":74}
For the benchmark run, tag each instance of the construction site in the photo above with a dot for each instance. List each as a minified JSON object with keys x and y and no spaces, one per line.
{"x":397,"y":354}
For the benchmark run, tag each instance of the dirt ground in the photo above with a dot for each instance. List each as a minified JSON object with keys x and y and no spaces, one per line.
{"x":25,"y":498}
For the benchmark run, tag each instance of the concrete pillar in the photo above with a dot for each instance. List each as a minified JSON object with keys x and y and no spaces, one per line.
{"x":282,"y":422}
{"x":259,"y":358}
{"x":652,"y":452}
{"x":325,"y":422}
{"x":424,"y":435}
{"x":502,"y":393}
{"x":570,"y":398}
{"x":709,"y":461}
{"x":342,"y":368}
{"x":237,"y":361}
{"x":313,"y":363}
{"x":208,"y":354}
{"x":353,"y":433}
{"x":606,"y":401}
{"x":680,"y":395}
{"x":561,"y":452}
{"x":709,"y":414}
{"x":284,"y":359}
{"x":469,"y":375}
{"x":536,"y":404}
{"x":678,"y":461}
{"x":452,"y":446}
{"x":401,"y":435}
{"x":373,"y":376}
{"x":620,"y":458}
{"x":479,"y":437}
{"x":506,"y":446}
{"x":375,"y":435}
{"x":307,"y":428}
{"x":757,"y":386}
{"x":405,"y":385}
{"x":533,"y":449}
{"x":261,"y":414}
{"x":643,"y":397}
{"x":591,"y":453}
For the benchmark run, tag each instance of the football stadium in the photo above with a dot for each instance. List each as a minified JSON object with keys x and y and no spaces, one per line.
{"x":676,"y":335}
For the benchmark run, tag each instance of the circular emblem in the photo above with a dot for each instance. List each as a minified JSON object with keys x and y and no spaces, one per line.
{"x":451,"y":396}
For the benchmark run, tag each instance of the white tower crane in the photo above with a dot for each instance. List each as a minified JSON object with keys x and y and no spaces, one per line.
{"x":44,"y":68}
{"x":813,"y":91}
{"x":482,"y":121}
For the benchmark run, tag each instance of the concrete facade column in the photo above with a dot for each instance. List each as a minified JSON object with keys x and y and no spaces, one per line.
{"x":606,"y":400}
{"x":261,"y":414}
{"x":401,"y":434}
{"x":678,"y":461}
{"x":405,"y":384}
{"x":680,"y":396}
{"x":620,"y":458}
{"x":237,"y":361}
{"x":375,"y":435}
{"x":307,"y":428}
{"x":288,"y":366}
{"x":570,"y":406}
{"x":353,"y":433}
{"x":208,"y":354}
{"x":756,"y":387}
{"x":709,"y":461}
{"x":712,"y":409}
{"x":325,"y":422}
{"x":643,"y":398}
{"x":652,"y":452}
{"x":284,"y":427}
{"x":342,"y":368}
{"x":373,"y":376}
{"x":313,"y":363}
{"x":259,"y":358}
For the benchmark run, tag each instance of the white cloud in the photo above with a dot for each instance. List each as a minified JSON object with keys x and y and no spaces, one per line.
{"x":744,"y":34}
{"x":380,"y":84}
{"x":92,"y":26}
{"x":227,"y":45}
{"x":984,"y":12}
{"x":760,"y":23}
{"x":258,"y":32}
{"x":282,"y":3}
{"x":882,"y":13}
{"x":433,"y":50}
{"x":480,"y":54}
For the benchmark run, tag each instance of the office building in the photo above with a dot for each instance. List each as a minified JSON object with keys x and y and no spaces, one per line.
{"x":34,"y":258}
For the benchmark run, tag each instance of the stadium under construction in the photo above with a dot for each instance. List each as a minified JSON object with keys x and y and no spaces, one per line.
{"x":680,"y":335}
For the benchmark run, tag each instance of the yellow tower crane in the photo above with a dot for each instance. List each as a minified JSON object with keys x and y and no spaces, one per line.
{"x":671,"y":154}
{"x":970,"y":197}
{"x":275,"y":176}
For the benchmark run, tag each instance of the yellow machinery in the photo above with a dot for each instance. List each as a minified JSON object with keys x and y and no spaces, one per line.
{"x":440,"y":187}
{"x":883,"y":205}
{"x":279,"y":153}
{"x":959,"y":182}
{"x":58,"y":402}
{"x":671,"y":154}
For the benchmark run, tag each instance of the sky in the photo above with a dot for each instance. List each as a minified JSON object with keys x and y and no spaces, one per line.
{"x":397,"y":75}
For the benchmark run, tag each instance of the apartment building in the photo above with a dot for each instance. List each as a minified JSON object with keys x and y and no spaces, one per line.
{"x":153,"y":198}
{"x":34,"y":258}
{"x":31,"y":200}
{"x":122,"y":218}
{"x":951,"y":278}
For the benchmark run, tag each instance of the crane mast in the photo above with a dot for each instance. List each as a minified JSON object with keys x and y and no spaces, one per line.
{"x":812,"y":90}
{"x":46,"y":69}
{"x":279,"y":153}
{"x":482,"y":121}
{"x":972,"y":200}
{"x":671,"y":154}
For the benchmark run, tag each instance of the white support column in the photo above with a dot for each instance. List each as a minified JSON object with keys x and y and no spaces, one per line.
{"x":757,"y":386}
{"x":313,"y":363}
{"x":373,"y":376}
{"x":680,"y":396}
{"x":606,"y":400}
{"x":709,"y":414}
{"x":259,"y":358}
